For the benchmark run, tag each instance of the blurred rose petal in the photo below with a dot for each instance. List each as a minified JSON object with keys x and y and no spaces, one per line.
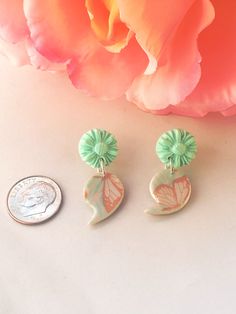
{"x":178,"y":70}
{"x":172,"y":56}
{"x":16,"y":53}
{"x":13,"y":26}
{"x":108,"y":75}
{"x":58,"y":27}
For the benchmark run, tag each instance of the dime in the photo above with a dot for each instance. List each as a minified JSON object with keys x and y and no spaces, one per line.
{"x":34,"y":199}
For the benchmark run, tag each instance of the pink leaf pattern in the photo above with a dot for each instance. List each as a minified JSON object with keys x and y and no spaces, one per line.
{"x":113,"y":192}
{"x":172,"y":196}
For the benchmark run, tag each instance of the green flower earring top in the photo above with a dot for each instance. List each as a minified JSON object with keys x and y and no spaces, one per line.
{"x":176,"y":148}
{"x":98,"y":145}
{"x":171,"y":188}
{"x":104,"y":192}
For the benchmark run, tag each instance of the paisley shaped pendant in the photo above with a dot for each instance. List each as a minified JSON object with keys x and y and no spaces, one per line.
{"x":171,"y":192}
{"x":104,"y":195}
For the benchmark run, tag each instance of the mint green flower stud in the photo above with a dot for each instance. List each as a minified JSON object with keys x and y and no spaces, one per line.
{"x":176,"y":148}
{"x":98,"y":145}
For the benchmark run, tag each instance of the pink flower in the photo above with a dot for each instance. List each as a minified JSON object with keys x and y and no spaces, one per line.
{"x":166,"y":56}
{"x":99,"y":52}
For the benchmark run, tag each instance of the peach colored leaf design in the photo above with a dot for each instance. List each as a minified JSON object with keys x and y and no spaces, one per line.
{"x":165,"y":196}
{"x":182,"y":188}
{"x":113,"y":192}
{"x":172,"y":196}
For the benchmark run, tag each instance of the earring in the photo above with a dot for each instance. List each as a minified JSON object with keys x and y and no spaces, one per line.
{"x":103,"y":192}
{"x":171,"y":188}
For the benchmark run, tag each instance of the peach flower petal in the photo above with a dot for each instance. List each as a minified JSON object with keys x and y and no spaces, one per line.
{"x":23,"y":53}
{"x":106,"y":24}
{"x":216,"y":91}
{"x":40,"y":62}
{"x":13,"y":27}
{"x":108,"y":75}
{"x":153,"y":21}
{"x":173,"y":56}
{"x":178,"y":70}
{"x":58,"y":27}
{"x":229,"y":112}
{"x":16,"y":53}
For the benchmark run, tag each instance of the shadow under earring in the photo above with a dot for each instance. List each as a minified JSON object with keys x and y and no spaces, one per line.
{"x":103,"y":192}
{"x":171,"y":188}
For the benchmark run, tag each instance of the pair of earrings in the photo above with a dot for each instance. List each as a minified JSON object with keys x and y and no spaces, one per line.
{"x":171,"y":188}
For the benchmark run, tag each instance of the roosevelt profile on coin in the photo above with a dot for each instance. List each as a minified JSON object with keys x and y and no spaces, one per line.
{"x":35,"y":199}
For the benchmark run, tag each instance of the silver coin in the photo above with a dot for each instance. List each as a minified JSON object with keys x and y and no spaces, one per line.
{"x":34,"y":199}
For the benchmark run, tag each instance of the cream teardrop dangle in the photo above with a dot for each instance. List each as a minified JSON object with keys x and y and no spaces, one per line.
{"x":171,"y":189}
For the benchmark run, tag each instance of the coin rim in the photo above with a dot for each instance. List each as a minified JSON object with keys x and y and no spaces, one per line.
{"x":36,"y":222}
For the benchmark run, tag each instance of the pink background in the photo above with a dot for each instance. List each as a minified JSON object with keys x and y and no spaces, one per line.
{"x":132,"y":263}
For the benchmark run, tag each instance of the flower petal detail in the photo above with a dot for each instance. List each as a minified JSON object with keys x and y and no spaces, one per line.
{"x":108,"y":75}
{"x":154,"y":21}
{"x":40,"y":62}
{"x":105,"y":23}
{"x":23,"y":53}
{"x":216,"y":91}
{"x":229,"y":112}
{"x":16,"y":53}
{"x":98,"y":145}
{"x":176,"y":148}
{"x":58,"y":27}
{"x":178,"y":69}
{"x":13,"y":27}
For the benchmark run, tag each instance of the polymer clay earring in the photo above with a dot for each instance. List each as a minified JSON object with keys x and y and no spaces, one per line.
{"x":103,"y":192}
{"x":171,"y":188}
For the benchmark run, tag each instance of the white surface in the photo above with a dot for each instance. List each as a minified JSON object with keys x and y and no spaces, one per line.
{"x":132,"y":263}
